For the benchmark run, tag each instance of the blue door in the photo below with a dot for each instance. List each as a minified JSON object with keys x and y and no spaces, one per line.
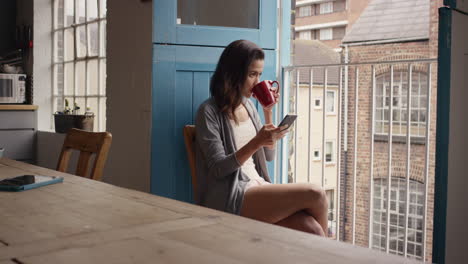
{"x":189,"y":36}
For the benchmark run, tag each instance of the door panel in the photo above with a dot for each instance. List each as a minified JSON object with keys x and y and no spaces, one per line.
{"x":181,"y":80}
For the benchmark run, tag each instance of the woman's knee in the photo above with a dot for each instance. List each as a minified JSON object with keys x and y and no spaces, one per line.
{"x":317,"y":195}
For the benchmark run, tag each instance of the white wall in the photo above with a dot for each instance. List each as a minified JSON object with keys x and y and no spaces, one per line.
{"x":129,"y":64}
{"x":457,"y":198}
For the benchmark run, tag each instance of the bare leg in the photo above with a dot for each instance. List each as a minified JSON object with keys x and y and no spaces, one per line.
{"x":303,"y":222}
{"x":272,"y":203}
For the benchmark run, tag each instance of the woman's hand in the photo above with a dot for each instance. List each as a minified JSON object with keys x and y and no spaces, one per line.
{"x":269,"y":134}
{"x":268,"y":111}
{"x":270,"y":108}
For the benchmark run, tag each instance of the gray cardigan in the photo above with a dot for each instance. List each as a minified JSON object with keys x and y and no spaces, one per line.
{"x":221,"y":183}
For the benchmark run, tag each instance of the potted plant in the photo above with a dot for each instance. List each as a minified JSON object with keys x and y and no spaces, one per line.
{"x":69,"y":119}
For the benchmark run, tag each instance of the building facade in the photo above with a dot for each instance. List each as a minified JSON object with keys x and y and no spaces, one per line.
{"x":325,"y":20}
{"x":386,"y":34}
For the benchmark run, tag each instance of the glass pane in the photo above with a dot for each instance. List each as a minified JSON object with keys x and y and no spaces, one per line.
{"x":58,"y":13}
{"x":69,"y":78}
{"x":102,"y":114}
{"x":58,"y":46}
{"x":69,"y":12}
{"x":92,"y":11}
{"x":102,"y":77}
{"x":81,"y":41}
{"x":92,"y":77}
{"x":58,"y":104}
{"x":102,"y":8}
{"x":80,"y":11}
{"x":93,"y":39}
{"x":79,"y":103}
{"x":69,"y":48}
{"x":92,"y":104}
{"x":80,"y":77}
{"x":58,"y":79}
{"x":102,"y":39}
{"x":242,"y":13}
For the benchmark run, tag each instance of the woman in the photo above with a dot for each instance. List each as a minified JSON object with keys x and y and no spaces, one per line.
{"x":232,"y":147}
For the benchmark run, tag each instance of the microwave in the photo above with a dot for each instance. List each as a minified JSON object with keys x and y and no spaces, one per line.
{"x":12,"y":88}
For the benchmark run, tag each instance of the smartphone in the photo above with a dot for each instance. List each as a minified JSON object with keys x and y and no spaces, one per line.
{"x":26,"y":182}
{"x":288,"y":120}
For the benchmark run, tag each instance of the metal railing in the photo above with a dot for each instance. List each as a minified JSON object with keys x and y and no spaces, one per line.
{"x":371,"y":101}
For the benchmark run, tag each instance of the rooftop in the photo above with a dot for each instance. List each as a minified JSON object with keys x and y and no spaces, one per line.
{"x":391,"y":20}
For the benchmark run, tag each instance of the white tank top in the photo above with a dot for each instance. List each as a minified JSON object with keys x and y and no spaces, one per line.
{"x":243,"y":133}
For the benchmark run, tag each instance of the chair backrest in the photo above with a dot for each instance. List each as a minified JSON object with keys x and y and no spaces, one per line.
{"x":87,"y":143}
{"x":189,"y":137}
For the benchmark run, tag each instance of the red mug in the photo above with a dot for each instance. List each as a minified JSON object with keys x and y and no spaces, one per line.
{"x":264,"y":93}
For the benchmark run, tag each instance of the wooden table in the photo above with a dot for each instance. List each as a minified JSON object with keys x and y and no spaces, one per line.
{"x":85,"y":221}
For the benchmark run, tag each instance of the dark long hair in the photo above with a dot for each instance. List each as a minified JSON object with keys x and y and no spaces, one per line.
{"x":231,"y":73}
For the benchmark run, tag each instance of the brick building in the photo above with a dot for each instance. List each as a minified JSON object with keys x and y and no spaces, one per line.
{"x":326,"y":20}
{"x":391,"y":31}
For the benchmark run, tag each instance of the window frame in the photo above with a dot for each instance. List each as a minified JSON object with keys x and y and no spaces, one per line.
{"x":333,"y":158}
{"x":333,"y":112}
{"x":329,"y":32}
{"x":326,"y":8}
{"x":305,"y":33}
{"x":379,"y":198}
{"x":305,"y":11}
{"x":382,"y":104}
{"x":67,"y":83}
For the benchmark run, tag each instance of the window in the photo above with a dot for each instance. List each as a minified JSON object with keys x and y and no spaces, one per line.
{"x":329,"y":152}
{"x":330,"y":102}
{"x":326,"y":8}
{"x":397,"y":217}
{"x":399,"y":103}
{"x":305,"y":34}
{"x":318,"y":103}
{"x":79,"y":57}
{"x":326,"y":34}
{"x":317,"y":156}
{"x":305,"y":11}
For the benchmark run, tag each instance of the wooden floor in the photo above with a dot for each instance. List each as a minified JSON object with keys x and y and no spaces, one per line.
{"x":85,"y":221}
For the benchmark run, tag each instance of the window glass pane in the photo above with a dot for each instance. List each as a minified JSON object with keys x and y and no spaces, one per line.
{"x":69,"y":12}
{"x":80,"y":103}
{"x":305,"y":35}
{"x":58,"y":79}
{"x":69,"y":79}
{"x":80,"y":11}
{"x":69,"y":48}
{"x":80,"y":77}
{"x":91,"y":7}
{"x":102,"y":76}
{"x":242,"y":13}
{"x":330,"y":102}
{"x":326,"y":8}
{"x":58,"y":13}
{"x":58,"y":46}
{"x":93,"y":41}
{"x":326,"y":34}
{"x":92,"y":104}
{"x":102,"y":8}
{"x":102,"y":114}
{"x":329,"y":152}
{"x":81,"y":41}
{"x":92,"y":77}
{"x":305,"y":11}
{"x":102,"y":39}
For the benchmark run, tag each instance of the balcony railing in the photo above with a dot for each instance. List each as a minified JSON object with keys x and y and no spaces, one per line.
{"x":364,"y":129}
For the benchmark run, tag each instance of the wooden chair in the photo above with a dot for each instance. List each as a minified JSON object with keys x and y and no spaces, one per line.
{"x":87,"y":143}
{"x":189,"y":137}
